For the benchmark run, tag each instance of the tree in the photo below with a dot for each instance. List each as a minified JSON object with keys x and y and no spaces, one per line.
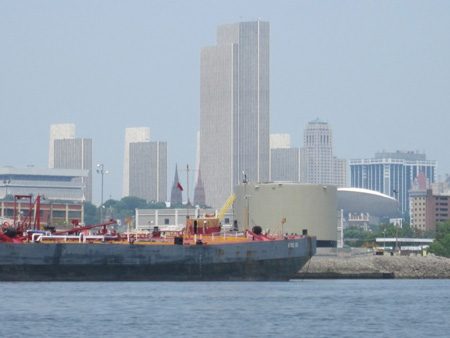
{"x":90,"y":214}
{"x":357,"y":237}
{"x":156,"y":205}
{"x":441,"y":245}
{"x":119,"y":210}
{"x":110,"y":203}
{"x":126,"y":207}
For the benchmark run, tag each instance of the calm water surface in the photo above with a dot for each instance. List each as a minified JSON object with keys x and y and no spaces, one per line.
{"x":310,"y":308}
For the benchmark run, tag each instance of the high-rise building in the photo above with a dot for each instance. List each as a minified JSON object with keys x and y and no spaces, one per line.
{"x":318,"y":142}
{"x":426,"y":209}
{"x":148,"y":170}
{"x":197,"y":158}
{"x":132,"y":135}
{"x":285,"y":165}
{"x":340,"y":172}
{"x":321,"y":167}
{"x":75,"y":154}
{"x":58,"y":132}
{"x":284,"y":160}
{"x":68,"y":152}
{"x":234,"y":109}
{"x":392,"y":174}
{"x":280,"y":141}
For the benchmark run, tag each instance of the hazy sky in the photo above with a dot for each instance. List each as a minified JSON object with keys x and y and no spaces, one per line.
{"x":377,"y":71}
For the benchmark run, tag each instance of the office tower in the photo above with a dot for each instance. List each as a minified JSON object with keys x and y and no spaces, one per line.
{"x":132,"y":135}
{"x":320,"y":165}
{"x":75,"y":154}
{"x":284,"y":160}
{"x":176,"y":197}
{"x":285,"y":165}
{"x":340,"y":172}
{"x":392,"y":174}
{"x":318,"y":142}
{"x":426,"y":208}
{"x":197,"y":157}
{"x":58,"y":132}
{"x":67,"y":152}
{"x":148,"y":171}
{"x":280,"y":141}
{"x":234,"y":109}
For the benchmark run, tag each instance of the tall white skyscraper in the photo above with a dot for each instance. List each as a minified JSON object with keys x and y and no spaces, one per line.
{"x":68,"y":152}
{"x":340,"y":172}
{"x":284,"y":160}
{"x":75,"y":154}
{"x":58,"y":132}
{"x":148,"y":171}
{"x":321,"y":165}
{"x":132,"y":135}
{"x":318,"y":142}
{"x":280,"y":141}
{"x":234,"y":109}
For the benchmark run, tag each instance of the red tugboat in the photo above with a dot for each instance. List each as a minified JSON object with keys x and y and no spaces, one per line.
{"x":201,"y":251}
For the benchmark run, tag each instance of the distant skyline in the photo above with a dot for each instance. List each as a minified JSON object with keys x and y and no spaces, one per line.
{"x":377,"y":71}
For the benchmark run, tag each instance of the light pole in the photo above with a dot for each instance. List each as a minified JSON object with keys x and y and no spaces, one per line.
{"x":247,"y":204}
{"x":101,"y":170}
{"x":395,"y":191}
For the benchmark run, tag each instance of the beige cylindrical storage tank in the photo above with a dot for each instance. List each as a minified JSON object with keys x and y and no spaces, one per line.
{"x":305,"y":206}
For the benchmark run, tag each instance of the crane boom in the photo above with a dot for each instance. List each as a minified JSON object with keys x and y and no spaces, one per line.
{"x":226,"y":206}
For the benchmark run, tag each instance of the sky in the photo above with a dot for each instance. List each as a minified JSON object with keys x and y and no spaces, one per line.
{"x":377,"y":71}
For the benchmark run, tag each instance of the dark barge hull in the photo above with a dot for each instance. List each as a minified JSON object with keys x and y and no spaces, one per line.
{"x":247,"y":261}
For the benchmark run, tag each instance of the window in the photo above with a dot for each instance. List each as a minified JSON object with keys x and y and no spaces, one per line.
{"x":166,"y":221}
{"x":9,"y":212}
{"x":75,"y":214}
{"x":59,"y":214}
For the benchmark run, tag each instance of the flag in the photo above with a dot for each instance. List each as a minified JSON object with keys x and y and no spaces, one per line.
{"x":179,"y":186}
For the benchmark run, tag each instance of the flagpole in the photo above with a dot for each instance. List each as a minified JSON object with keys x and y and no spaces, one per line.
{"x":187,"y":186}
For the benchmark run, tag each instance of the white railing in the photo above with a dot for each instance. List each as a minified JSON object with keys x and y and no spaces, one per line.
{"x":226,"y":234}
{"x":82,"y":238}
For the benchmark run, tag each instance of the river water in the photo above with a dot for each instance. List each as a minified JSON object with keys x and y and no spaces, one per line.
{"x":309,"y":308}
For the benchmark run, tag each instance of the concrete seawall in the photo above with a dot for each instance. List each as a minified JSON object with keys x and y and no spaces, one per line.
{"x":363,"y":263}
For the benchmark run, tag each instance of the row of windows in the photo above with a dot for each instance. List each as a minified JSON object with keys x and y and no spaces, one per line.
{"x":442,"y":198}
{"x":56,"y":213}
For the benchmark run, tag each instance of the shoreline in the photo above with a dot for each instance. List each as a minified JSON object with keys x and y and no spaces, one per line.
{"x":367,"y":265}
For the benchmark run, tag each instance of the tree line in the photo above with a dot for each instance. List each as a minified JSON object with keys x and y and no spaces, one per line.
{"x":118,"y":210}
{"x":357,"y":237}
